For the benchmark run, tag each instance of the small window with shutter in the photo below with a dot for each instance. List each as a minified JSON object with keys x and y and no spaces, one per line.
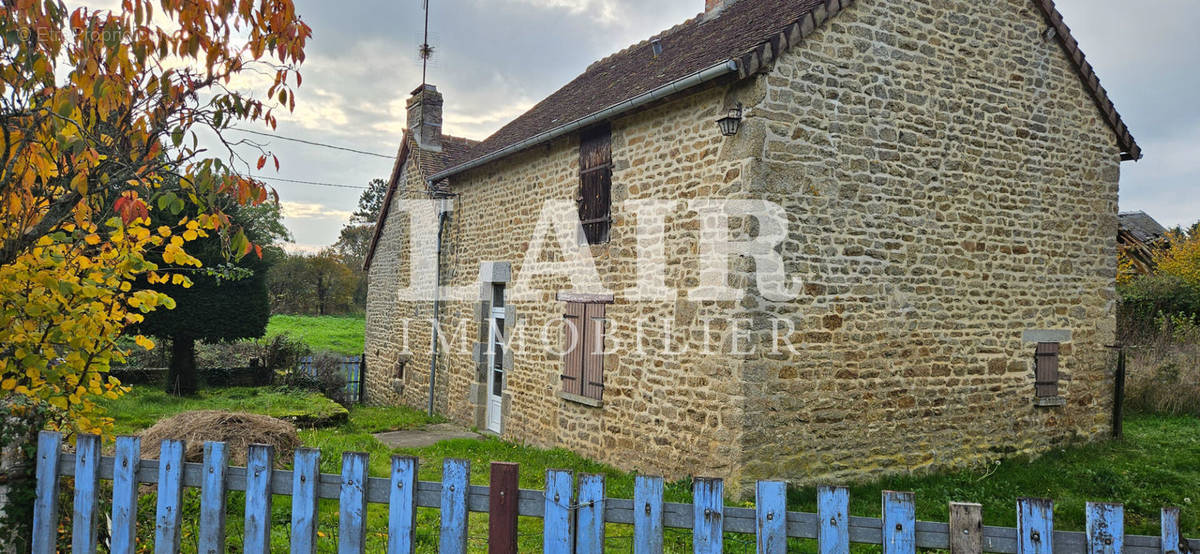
{"x":583,"y":351}
{"x":595,"y":183}
{"x":1046,"y":370}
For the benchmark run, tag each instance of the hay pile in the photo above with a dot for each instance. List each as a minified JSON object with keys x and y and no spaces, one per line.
{"x":236,"y":430}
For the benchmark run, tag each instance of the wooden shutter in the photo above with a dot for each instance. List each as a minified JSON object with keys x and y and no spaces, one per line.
{"x":595,"y":183}
{"x":1046,"y":369}
{"x":573,"y":338}
{"x":593,"y":353}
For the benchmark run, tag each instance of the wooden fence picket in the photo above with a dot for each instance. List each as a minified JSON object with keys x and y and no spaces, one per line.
{"x":87,"y":492}
{"x":212,"y":498}
{"x":573,"y":521}
{"x":1170,"y":537}
{"x":306,"y":476}
{"x":1035,"y":526}
{"x":502,"y":508}
{"x":456,"y":475}
{"x":558,"y":530}
{"x":833,"y":529}
{"x":402,"y":506}
{"x":125,"y":495}
{"x":260,"y":463}
{"x":708,"y":499}
{"x":352,"y":504}
{"x":966,"y":528}
{"x":45,"y":506}
{"x":589,"y":519}
{"x":167,"y":521}
{"x":1105,"y":528}
{"x":647,"y":515}
{"x":899,"y":523}
{"x":771,"y":517}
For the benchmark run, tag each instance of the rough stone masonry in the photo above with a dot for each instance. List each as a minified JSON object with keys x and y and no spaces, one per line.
{"x":951,"y":189}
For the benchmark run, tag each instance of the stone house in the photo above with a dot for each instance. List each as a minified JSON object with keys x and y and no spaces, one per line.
{"x":948,"y":172}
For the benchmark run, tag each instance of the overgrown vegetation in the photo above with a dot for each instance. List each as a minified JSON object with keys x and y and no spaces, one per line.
{"x":1159,"y":323}
{"x":143,"y":406}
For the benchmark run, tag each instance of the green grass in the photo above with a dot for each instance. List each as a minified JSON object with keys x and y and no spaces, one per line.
{"x":343,"y":335}
{"x":145,"y":405}
{"x":1154,"y":466}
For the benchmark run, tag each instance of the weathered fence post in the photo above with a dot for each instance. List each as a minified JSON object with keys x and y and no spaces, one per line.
{"x":1105,"y":528}
{"x":306,"y":477}
{"x":1035,"y":526}
{"x":833,"y":529}
{"x":87,"y":491}
{"x":125,"y":494}
{"x":502,"y":508}
{"x":771,"y":517}
{"x":456,"y":484}
{"x":212,"y":498}
{"x":402,"y":506}
{"x":558,"y":521}
{"x":1171,"y":539}
{"x":260,"y":463}
{"x":45,"y":507}
{"x":170,"y":497}
{"x":648,"y":515}
{"x":589,"y":519}
{"x":966,"y":528}
{"x":352,"y":518}
{"x":899,"y":523}
{"x":708,"y":500}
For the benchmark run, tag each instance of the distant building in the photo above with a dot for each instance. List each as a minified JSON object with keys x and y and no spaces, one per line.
{"x":1138,"y":235}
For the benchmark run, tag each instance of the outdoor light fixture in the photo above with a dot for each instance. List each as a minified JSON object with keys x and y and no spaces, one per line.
{"x":730,"y":123}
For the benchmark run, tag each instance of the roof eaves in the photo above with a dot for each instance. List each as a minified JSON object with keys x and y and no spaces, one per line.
{"x":401,"y":156}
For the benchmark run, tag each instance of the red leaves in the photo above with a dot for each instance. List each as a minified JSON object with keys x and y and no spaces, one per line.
{"x":130,"y":207}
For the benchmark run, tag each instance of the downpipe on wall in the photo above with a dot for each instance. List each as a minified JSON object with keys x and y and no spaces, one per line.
{"x":443,"y":218}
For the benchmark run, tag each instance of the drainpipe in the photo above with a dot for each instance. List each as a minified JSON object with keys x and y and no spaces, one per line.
{"x":443,"y":217}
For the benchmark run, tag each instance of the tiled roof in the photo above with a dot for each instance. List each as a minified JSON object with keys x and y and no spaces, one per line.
{"x":750,"y":32}
{"x":1140,"y":226}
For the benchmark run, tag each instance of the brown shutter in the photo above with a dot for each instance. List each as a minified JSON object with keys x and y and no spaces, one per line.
{"x":595,"y":183}
{"x":573,"y":338}
{"x":1046,"y":369}
{"x":593,"y":353}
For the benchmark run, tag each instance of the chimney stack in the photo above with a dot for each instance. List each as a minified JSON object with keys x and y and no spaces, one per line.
{"x":425,"y":118}
{"x":713,"y":8}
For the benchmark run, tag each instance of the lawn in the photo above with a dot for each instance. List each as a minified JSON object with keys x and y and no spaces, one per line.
{"x":343,"y":335}
{"x":1154,"y":466}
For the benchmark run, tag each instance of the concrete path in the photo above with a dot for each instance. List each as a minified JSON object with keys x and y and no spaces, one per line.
{"x":425,"y":436}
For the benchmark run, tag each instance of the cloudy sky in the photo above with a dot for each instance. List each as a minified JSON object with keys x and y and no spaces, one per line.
{"x":496,"y":58}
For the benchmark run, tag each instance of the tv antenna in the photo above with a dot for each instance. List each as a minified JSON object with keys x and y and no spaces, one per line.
{"x":425,"y":51}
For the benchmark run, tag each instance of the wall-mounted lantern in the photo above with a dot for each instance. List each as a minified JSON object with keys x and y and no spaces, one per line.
{"x":731,"y":122}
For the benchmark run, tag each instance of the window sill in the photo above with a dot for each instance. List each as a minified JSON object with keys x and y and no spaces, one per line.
{"x":580,"y":399}
{"x":1049,"y":402}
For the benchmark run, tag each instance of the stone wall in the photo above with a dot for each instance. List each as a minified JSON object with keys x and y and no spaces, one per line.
{"x":950,"y":186}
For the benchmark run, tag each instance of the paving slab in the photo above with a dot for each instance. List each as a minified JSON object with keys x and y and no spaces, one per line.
{"x":428,"y":435}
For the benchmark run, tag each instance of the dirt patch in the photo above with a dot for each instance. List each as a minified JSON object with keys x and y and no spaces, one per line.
{"x":425,"y":436}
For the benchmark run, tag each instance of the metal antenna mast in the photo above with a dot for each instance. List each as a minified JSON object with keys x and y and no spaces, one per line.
{"x":426,"y":50}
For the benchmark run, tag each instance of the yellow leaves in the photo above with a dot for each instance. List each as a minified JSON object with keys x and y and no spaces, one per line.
{"x":164,"y":231}
{"x":8,"y":384}
{"x":144,"y":342}
{"x":92,"y":239}
{"x":179,"y":279}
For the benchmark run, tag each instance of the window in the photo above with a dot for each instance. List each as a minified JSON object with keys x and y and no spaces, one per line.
{"x":595,"y":183}
{"x":583,"y":350}
{"x":1046,"y":370}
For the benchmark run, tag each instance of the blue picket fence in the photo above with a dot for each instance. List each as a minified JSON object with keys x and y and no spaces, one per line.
{"x":350,"y":366}
{"x":574,"y":511}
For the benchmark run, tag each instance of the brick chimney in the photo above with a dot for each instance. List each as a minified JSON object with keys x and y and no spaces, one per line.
{"x":425,"y":117}
{"x":713,"y":8}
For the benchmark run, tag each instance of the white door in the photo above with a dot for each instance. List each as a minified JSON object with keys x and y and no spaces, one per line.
{"x":496,"y":360}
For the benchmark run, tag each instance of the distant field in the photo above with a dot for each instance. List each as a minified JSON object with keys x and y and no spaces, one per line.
{"x":343,"y":335}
